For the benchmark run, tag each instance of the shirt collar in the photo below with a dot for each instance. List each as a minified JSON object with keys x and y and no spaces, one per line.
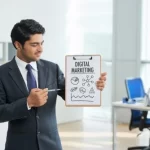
{"x":23,"y":64}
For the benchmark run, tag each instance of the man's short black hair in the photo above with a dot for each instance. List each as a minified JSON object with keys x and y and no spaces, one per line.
{"x":22,"y":30}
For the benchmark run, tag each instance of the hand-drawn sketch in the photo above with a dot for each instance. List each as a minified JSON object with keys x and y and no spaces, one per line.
{"x":88,"y":80}
{"x":82,"y":90}
{"x":81,"y":74}
{"x":74,"y":89}
{"x":74,"y":80}
{"x":86,"y":98}
{"x":92,"y":91}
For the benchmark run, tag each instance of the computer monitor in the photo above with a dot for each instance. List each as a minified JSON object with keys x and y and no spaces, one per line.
{"x":134,"y":88}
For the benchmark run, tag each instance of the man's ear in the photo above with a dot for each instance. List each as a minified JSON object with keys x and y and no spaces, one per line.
{"x":17,"y":45}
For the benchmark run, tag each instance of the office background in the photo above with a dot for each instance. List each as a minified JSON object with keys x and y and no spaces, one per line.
{"x":116,"y":29}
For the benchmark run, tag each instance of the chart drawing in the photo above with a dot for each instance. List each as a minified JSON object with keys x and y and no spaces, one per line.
{"x":92,"y":91}
{"x":88,"y":80}
{"x":82,"y":90}
{"x":87,"y":98}
{"x":74,"y":80}
{"x":74,"y":89}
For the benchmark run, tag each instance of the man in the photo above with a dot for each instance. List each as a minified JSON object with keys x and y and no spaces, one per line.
{"x":24,"y":100}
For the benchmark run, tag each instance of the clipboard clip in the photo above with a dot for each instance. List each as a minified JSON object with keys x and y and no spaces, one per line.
{"x":81,"y":58}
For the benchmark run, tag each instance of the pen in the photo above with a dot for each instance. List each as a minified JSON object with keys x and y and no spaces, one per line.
{"x":54,"y":90}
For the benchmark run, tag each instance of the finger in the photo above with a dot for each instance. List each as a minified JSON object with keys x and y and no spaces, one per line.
{"x":104,"y":74}
{"x":100,"y":81}
{"x":45,"y":95}
{"x":44,"y":91}
{"x":102,"y":78}
{"x":35,"y":89}
{"x":100,"y":88}
{"x":40,"y":91}
{"x":100,"y":85}
{"x":45,"y":99}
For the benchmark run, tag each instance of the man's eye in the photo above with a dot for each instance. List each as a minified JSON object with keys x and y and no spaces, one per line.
{"x":34,"y":45}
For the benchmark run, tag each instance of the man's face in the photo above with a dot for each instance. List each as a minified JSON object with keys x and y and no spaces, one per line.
{"x":32,"y":49}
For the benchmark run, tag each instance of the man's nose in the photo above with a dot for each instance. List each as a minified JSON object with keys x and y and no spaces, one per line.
{"x":40,"y":48}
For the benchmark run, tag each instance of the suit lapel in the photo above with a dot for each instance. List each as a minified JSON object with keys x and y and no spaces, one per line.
{"x":42,"y":74}
{"x":17,"y":77}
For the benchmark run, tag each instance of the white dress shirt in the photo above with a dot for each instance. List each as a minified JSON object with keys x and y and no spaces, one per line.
{"x":22,"y":67}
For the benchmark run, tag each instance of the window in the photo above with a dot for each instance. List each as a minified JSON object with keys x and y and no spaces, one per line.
{"x":89,"y":31}
{"x":89,"y":27}
{"x":7,"y":52}
{"x":145,"y":49}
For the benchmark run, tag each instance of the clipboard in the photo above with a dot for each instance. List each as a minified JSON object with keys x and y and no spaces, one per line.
{"x":81,"y":74}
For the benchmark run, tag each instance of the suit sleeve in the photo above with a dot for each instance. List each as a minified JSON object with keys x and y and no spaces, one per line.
{"x":61,"y":82}
{"x":12,"y":111}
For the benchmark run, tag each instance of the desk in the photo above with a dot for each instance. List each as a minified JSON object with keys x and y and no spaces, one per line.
{"x":115,"y":105}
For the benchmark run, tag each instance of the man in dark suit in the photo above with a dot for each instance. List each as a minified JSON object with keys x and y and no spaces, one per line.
{"x":24,"y":99}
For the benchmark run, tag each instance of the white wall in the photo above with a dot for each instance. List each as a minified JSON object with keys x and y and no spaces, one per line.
{"x":126,"y":48}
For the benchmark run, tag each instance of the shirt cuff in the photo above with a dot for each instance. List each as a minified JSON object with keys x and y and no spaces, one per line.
{"x":28,"y":106}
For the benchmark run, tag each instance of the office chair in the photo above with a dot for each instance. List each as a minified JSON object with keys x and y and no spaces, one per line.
{"x":139,"y":118}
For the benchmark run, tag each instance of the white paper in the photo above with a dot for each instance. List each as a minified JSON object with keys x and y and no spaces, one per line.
{"x":82,"y":72}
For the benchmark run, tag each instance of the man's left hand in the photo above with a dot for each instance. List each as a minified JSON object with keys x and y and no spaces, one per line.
{"x":100,"y":84}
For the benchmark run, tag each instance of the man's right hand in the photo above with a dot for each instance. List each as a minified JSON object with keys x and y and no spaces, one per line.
{"x":37,"y":97}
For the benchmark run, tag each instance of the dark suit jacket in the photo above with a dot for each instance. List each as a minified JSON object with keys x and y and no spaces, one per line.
{"x":34,"y":129}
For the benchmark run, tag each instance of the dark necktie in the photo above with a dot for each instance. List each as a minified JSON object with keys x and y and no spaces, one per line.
{"x":31,"y":82}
